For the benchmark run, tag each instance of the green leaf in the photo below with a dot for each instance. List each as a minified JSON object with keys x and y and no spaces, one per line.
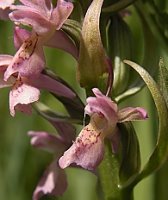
{"x":160,"y":153}
{"x":92,"y":59}
{"x":115,"y":7}
{"x":73,"y":29}
{"x":131,"y":161}
{"x":150,"y":59}
{"x":119,"y":47}
{"x":109,"y":174}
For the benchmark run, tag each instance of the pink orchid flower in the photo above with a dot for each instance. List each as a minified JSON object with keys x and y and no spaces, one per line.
{"x":45,"y":21}
{"x":27,"y":90}
{"x":88,"y":149}
{"x":53,"y":181}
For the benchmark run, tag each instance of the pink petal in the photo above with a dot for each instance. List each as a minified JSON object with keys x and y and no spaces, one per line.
{"x":61,"y":13}
{"x":66,"y":43}
{"x":87,"y":151}
{"x":5,"y":60}
{"x":43,"y":6}
{"x":46,"y":141}
{"x":53,"y":182}
{"x":20,"y":35}
{"x":52,"y":85}
{"x":29,"y":59}
{"x":132,"y":114}
{"x":102,"y":105}
{"x":22,"y":94}
{"x":32,"y":17}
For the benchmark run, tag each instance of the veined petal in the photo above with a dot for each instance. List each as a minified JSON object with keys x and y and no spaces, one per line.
{"x":30,"y":17}
{"x":20,"y":35}
{"x":22,"y":94}
{"x":61,"y":13}
{"x":131,"y":114}
{"x":29,"y":59}
{"x":43,"y":6}
{"x":53,"y":182}
{"x":87,"y":150}
{"x":46,"y":141}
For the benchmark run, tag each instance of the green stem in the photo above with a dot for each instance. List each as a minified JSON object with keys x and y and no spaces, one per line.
{"x":118,"y":6}
{"x":109,"y":177}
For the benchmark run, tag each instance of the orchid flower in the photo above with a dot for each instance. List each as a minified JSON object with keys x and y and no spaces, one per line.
{"x":29,"y":60}
{"x":5,"y":6}
{"x":45,"y":22}
{"x":53,"y":181}
{"x":27,"y":90}
{"x":88,"y":148}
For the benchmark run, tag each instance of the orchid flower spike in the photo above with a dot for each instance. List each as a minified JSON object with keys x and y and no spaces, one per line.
{"x":88,"y":148}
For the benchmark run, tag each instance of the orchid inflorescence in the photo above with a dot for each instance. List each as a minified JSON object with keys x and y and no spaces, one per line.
{"x":101,"y":72}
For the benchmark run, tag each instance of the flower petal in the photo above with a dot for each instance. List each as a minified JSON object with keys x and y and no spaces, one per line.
{"x":5,"y":60}
{"x":53,"y":182}
{"x":31,"y":17}
{"x":22,"y":94}
{"x":46,"y":141}
{"x":52,"y":85}
{"x":20,"y":35}
{"x":102,"y":105}
{"x":87,"y":151}
{"x":132,"y":114}
{"x":29,"y":60}
{"x":61,"y":13}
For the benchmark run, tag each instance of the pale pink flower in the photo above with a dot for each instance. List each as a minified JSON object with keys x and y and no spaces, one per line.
{"x":88,"y":148}
{"x":26,"y":90}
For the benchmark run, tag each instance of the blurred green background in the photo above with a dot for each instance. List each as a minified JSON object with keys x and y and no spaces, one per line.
{"x":21,"y":165}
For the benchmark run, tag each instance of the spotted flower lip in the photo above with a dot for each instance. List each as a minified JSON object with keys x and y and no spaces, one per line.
{"x":88,"y":148}
{"x":25,"y":91}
